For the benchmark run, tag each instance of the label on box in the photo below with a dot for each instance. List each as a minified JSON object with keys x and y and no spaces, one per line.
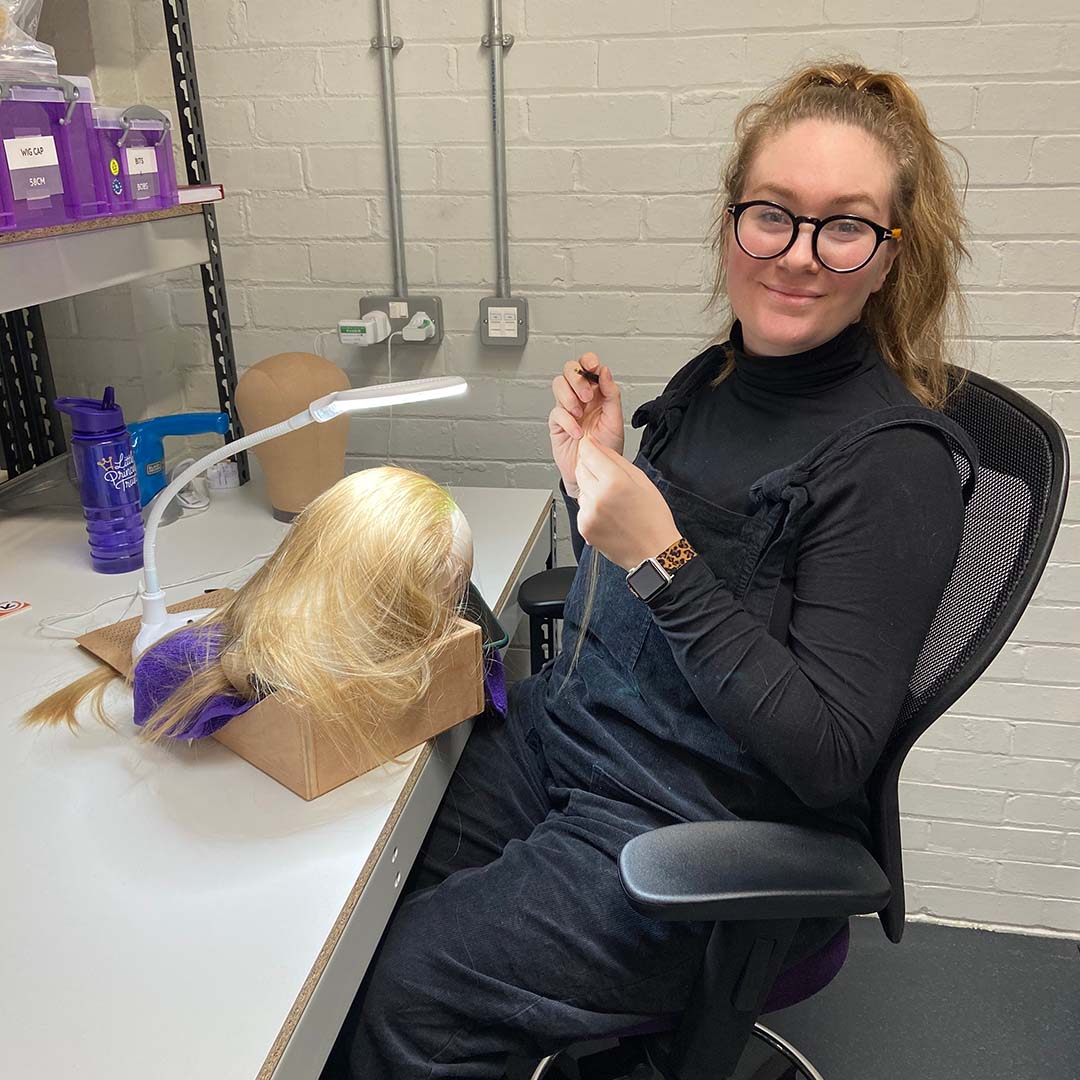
{"x":12,"y":607}
{"x":34,"y":167}
{"x":142,"y":171}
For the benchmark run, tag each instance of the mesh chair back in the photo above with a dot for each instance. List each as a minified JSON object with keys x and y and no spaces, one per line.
{"x":1010,"y":523}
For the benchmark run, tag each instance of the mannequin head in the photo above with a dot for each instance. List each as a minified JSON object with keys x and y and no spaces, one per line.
{"x":308,"y":461}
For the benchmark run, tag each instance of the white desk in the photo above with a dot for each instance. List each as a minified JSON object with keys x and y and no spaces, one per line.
{"x":172,"y":912}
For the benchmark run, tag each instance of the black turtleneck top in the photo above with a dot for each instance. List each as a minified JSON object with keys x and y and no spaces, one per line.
{"x":773,"y":409}
{"x":873,"y":560}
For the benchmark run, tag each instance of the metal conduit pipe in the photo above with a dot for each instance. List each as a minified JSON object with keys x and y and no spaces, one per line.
{"x":498,"y":125}
{"x":504,"y":319}
{"x":386,"y":44}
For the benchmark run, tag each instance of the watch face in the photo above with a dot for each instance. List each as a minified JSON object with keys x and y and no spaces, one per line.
{"x":646,"y":580}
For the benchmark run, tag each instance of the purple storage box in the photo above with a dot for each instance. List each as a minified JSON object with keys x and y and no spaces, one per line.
{"x":137,"y":158}
{"x":50,"y":167}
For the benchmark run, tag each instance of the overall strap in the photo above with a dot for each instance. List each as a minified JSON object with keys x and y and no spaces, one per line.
{"x":677,"y":394}
{"x":920,"y":415}
{"x":839,"y":442}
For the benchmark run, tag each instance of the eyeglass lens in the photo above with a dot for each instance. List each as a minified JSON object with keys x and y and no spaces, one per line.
{"x":764,"y":231}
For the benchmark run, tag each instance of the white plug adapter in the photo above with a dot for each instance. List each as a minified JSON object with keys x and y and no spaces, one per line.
{"x":224,"y":474}
{"x":367,"y":330}
{"x":418,"y":328}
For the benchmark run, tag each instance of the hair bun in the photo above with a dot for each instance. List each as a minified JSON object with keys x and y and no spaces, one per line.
{"x":854,"y":77}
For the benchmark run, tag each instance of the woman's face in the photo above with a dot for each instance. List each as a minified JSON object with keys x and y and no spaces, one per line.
{"x":814,"y":168}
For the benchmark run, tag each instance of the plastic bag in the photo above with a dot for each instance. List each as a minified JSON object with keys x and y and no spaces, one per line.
{"x":20,"y":53}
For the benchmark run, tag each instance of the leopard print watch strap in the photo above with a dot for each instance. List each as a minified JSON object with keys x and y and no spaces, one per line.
{"x":679,"y":554}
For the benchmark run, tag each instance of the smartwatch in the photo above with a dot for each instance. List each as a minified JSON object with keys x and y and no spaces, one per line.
{"x":652,"y":576}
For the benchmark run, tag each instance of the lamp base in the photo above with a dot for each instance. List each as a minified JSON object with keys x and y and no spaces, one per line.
{"x":151,"y":633}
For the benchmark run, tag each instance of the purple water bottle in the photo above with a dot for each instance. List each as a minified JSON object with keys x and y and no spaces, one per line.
{"x":108,"y":482}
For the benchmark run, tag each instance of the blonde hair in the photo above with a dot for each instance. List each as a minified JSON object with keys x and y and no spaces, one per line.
{"x":346,"y":617}
{"x":912,"y":314}
{"x":62,"y":707}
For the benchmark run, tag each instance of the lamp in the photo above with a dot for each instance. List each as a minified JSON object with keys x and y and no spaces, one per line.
{"x":156,"y":621}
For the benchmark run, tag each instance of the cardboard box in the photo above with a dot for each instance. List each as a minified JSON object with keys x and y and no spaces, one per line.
{"x":285,"y":744}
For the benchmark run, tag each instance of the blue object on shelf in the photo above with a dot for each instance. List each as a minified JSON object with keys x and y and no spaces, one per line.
{"x":148,"y":444}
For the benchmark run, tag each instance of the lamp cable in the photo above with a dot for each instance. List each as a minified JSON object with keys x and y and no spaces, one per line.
{"x":49,"y":628}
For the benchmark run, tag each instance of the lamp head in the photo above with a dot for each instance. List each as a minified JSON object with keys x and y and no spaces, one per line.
{"x":385,"y":395}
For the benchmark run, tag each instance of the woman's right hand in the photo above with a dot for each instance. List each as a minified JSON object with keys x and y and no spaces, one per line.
{"x":583,"y":408}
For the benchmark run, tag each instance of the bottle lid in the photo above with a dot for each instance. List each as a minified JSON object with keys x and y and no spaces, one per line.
{"x":90,"y":416}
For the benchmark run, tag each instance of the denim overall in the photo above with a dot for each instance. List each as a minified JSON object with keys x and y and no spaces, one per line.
{"x":514,"y":935}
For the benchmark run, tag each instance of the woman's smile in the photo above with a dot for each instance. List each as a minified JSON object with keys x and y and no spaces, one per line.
{"x":790,"y":297}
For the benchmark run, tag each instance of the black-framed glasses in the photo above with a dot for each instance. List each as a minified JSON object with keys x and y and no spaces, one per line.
{"x":842,"y":243}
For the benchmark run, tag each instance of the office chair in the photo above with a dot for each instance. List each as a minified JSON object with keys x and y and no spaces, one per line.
{"x":757,"y":880}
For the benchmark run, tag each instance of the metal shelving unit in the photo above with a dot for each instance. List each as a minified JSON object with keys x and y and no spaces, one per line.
{"x":107,"y":252}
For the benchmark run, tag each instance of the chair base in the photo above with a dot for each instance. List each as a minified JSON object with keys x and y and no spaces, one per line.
{"x":768,"y":1056}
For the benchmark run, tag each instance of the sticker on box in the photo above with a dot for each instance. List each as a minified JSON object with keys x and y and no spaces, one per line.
{"x":34,"y":167}
{"x":142,"y":171}
{"x":12,"y":607}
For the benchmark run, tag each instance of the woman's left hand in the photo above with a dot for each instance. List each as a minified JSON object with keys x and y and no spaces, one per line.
{"x":621,"y":512}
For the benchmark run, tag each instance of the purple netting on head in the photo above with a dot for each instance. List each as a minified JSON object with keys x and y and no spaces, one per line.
{"x":162,"y":668}
{"x":495,"y":682}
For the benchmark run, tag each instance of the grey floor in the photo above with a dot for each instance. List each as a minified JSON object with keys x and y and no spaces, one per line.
{"x":945,"y":1004}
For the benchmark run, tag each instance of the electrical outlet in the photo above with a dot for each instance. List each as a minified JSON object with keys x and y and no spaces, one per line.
{"x":504,"y":320}
{"x":402,"y":308}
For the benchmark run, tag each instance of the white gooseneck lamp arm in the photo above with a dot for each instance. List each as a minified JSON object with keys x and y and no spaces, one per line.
{"x":156,"y":621}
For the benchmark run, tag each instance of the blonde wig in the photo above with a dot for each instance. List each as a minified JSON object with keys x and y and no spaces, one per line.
{"x":345,"y":618}
{"x":920,"y":305}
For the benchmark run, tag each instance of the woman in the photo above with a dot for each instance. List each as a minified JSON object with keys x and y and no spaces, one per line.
{"x":797,"y":485}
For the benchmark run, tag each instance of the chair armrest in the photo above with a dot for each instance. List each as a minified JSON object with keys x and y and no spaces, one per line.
{"x":721,"y":870}
{"x":544,"y":594}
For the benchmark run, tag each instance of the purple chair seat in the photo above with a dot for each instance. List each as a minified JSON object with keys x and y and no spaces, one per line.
{"x":811,"y":974}
{"x":799,"y":982}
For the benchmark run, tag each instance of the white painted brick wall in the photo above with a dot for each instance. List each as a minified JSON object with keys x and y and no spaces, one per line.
{"x":618,"y":114}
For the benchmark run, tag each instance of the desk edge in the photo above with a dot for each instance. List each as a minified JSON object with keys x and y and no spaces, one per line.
{"x":289,"y":1025}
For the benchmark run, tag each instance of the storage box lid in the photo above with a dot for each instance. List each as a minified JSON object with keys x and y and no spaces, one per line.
{"x":27,"y":89}
{"x":112,"y":116}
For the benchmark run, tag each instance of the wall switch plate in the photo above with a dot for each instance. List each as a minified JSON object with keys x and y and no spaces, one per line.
{"x":504,"y":320}
{"x":401,"y":309}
